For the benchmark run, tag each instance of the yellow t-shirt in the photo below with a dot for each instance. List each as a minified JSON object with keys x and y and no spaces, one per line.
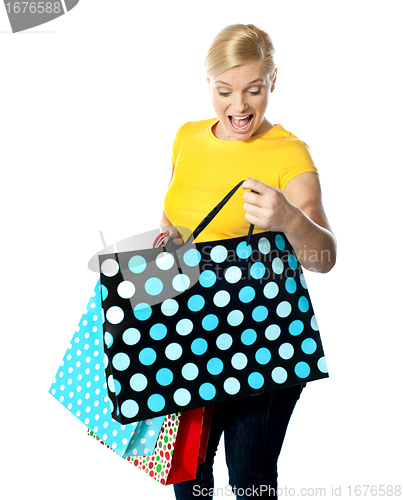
{"x":207,"y":168}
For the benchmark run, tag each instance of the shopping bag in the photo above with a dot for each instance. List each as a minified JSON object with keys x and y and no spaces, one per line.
{"x":80,"y":386}
{"x":144,"y":437}
{"x":246,"y":326}
{"x":158,"y":464}
{"x":186,"y":454}
{"x":205,"y":433}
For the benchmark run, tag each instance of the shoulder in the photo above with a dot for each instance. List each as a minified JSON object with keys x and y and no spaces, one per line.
{"x":289,"y":141}
{"x":291,"y":146}
{"x":195,"y":126}
{"x":190,"y":130}
{"x":294,"y":157}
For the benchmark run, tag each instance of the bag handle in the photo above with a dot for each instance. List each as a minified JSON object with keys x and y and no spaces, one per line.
{"x":215,"y":211}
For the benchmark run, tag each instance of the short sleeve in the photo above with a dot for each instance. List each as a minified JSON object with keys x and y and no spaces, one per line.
{"x":295,"y":160}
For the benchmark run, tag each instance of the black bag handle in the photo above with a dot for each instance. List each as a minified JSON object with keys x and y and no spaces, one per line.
{"x":215,"y":211}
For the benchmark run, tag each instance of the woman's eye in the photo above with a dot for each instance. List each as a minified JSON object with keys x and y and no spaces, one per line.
{"x":225,"y":94}
{"x":257,"y":92}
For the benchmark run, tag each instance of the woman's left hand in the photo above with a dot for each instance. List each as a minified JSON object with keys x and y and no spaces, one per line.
{"x":267,"y":206}
{"x":298,"y":213}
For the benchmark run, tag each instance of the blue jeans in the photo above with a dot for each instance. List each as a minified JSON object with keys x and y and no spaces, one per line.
{"x":254,"y":430}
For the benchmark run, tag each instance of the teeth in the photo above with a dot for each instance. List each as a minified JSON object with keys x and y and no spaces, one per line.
{"x":240,"y":118}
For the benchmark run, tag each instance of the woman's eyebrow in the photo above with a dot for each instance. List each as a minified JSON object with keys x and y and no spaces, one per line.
{"x":253,"y":81}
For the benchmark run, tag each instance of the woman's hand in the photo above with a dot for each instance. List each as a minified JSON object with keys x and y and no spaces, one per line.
{"x":298,"y":213}
{"x":268,"y":207}
{"x":173,"y":235}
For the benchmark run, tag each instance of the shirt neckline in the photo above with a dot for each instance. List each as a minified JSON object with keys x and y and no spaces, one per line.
{"x":251,"y":139}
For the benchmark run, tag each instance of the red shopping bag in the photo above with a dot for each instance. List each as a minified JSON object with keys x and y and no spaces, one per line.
{"x":187,"y":447}
{"x":208,"y":410}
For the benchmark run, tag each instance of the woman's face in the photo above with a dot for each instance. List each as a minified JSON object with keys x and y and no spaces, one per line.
{"x":240,"y":97}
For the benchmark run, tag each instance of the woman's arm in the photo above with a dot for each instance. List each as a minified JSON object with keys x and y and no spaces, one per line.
{"x":298,"y":213}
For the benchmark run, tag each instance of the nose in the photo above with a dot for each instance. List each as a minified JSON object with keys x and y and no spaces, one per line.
{"x":239,"y":103}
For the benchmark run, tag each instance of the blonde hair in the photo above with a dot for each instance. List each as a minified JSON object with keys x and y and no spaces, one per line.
{"x":239,"y":44}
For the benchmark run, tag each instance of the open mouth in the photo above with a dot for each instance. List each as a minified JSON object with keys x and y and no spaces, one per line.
{"x":241,"y":123}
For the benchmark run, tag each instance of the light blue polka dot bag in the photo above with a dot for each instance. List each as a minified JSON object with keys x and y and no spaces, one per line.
{"x":80,"y":386}
{"x":244,"y":326}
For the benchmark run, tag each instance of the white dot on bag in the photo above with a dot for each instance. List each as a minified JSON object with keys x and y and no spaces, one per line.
{"x":164,"y":261}
{"x":233,"y":274}
{"x":105,"y":437}
{"x":115,"y":433}
{"x":142,"y":440}
{"x":145,"y":450}
{"x":277,"y":265}
{"x":134,"y":452}
{"x":114,"y":445}
{"x":109,"y":267}
{"x":149,"y":421}
{"x":114,"y":315}
{"x":124,"y":441}
{"x":232,"y":385}
{"x":126,"y":289}
{"x":219,"y":253}
{"x":181,"y":282}
{"x":151,"y":433}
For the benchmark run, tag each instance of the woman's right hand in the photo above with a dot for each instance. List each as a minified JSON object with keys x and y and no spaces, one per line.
{"x":173,"y":235}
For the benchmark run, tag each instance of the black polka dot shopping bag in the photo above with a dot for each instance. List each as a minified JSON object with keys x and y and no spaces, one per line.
{"x":200,"y":323}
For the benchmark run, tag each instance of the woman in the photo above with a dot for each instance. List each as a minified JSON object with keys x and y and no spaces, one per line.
{"x":282,"y":193}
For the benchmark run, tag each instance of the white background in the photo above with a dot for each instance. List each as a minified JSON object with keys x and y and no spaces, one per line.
{"x":89,"y":106}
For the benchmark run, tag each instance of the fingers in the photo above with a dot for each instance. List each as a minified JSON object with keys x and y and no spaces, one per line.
{"x":171,"y":231}
{"x":252,"y":208}
{"x":253,"y":185}
{"x":256,"y":186}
